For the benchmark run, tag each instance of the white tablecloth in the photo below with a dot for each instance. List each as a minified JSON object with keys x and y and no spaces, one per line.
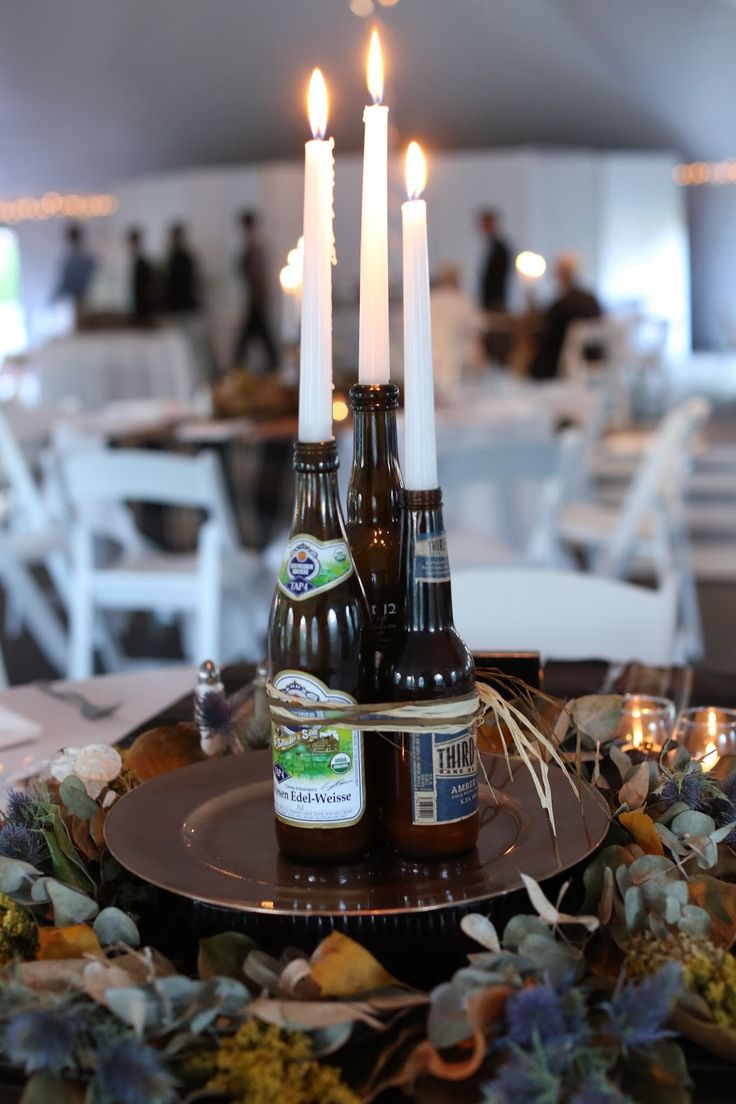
{"x":97,"y":368}
{"x":141,"y":694}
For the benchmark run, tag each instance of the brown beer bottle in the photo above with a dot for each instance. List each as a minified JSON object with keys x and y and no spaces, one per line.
{"x":321,"y":648}
{"x":431,"y":785}
{"x":373,"y":516}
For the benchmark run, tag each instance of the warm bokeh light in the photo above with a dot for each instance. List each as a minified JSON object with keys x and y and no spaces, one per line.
{"x":531,"y":265}
{"x":712,"y":722}
{"x":416,"y":171}
{"x":710,"y":758}
{"x":317,"y":104}
{"x":375,"y":69}
{"x":290,"y":278}
{"x":340,"y":410}
{"x":53,"y":205}
{"x":361,"y":8}
{"x":705,"y":172}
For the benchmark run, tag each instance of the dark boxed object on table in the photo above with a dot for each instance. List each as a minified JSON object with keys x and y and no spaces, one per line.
{"x":526,"y":666}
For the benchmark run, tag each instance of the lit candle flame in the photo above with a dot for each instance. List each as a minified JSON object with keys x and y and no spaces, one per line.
{"x":416,"y":171}
{"x":637,"y":732}
{"x":375,"y":69}
{"x":317,"y":104}
{"x":712,"y":722}
{"x":710,"y":758}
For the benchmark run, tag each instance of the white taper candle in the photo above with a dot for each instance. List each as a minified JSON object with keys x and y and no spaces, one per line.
{"x":373,"y":348}
{"x":420,"y":461}
{"x":315,"y":371}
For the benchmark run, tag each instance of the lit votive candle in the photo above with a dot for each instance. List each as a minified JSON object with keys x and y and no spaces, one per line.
{"x":646,"y":723}
{"x":709,"y":735}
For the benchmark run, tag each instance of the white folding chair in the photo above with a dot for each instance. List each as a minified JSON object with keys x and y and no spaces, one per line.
{"x":219,"y":589}
{"x":564,"y":615}
{"x":29,"y":539}
{"x":502,"y":499}
{"x":648,"y":527}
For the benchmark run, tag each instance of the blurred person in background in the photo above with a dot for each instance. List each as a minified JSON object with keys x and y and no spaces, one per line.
{"x":496,"y":262}
{"x":457,"y":331}
{"x":75,"y":275}
{"x":255,"y":324}
{"x":142,"y":280}
{"x":181,"y":279}
{"x":572,"y":304}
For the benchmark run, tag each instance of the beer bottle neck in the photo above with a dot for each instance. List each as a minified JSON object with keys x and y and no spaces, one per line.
{"x":375,"y":478}
{"x":317,"y":503}
{"x":427,"y":601}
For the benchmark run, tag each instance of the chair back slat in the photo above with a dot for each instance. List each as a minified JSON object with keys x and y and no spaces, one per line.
{"x":564,"y":615}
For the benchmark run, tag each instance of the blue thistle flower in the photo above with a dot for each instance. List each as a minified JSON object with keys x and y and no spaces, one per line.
{"x":689,"y":786}
{"x":525,"y":1079}
{"x":130,"y":1072}
{"x":728,"y":785}
{"x":546,"y":1014}
{"x":19,"y":806}
{"x":40,"y":1041}
{"x":214,"y":712}
{"x":19,"y":842}
{"x":637,"y":1013}
{"x":600,"y":1091}
{"x":534,"y":1011}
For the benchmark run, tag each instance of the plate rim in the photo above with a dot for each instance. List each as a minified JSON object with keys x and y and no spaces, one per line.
{"x":594,"y":800}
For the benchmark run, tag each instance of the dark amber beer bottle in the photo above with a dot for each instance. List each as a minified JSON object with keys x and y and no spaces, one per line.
{"x":320,"y":648}
{"x":431,"y":784}
{"x":373,"y":515}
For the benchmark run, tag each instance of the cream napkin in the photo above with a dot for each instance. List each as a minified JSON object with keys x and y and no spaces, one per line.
{"x":15,"y":729}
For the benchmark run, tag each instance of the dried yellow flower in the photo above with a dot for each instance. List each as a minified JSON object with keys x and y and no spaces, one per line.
{"x":261,"y":1064}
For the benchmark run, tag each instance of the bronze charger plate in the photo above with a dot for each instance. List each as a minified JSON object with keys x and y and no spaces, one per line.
{"x":206,"y":832}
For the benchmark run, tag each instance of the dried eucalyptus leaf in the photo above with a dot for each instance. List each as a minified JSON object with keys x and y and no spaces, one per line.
{"x":263,"y":969}
{"x":224,"y":955}
{"x":694,"y":921}
{"x":13,"y":873}
{"x":448,"y":1024}
{"x":634,"y":908}
{"x":481,"y":929}
{"x":549,"y":912}
{"x":605,"y":902}
{"x":720,"y":834}
{"x":70,"y":905}
{"x":76,"y":799}
{"x":650,"y":866}
{"x":115,"y":926}
{"x":635,"y":789}
{"x":620,"y":760}
{"x":132,"y":1006}
{"x":597,"y":716}
{"x":519,"y":927}
{"x":328,"y":1040}
{"x":692,"y":823}
{"x":551,"y":957}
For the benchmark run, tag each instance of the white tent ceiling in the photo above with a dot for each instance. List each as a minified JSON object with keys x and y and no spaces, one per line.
{"x":92,"y":91}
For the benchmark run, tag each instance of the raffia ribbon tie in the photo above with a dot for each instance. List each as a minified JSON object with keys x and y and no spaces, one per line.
{"x":444,"y":716}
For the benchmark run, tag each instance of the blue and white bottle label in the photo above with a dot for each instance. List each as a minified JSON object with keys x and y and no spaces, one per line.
{"x":310,"y":565}
{"x":444,"y":776}
{"x":431,"y":564}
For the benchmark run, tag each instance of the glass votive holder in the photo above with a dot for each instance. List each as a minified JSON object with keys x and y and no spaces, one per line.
{"x":709,"y":735}
{"x":646,"y":723}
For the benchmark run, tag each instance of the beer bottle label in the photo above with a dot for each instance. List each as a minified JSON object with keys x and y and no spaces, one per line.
{"x":431,"y":564}
{"x":444,"y":776}
{"x":318,"y":774}
{"x":310,"y":565}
